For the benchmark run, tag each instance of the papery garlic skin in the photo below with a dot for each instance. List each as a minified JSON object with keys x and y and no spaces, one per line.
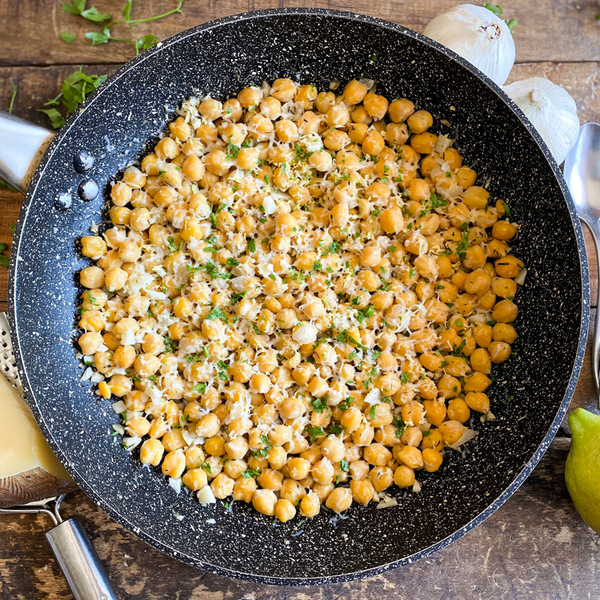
{"x":479,"y":36}
{"x":551,"y":110}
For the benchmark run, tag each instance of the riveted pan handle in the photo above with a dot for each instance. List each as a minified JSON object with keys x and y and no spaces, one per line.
{"x":22,"y":146}
{"x":79,"y":562}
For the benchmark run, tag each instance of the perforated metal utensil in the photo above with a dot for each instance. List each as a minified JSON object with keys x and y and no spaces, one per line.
{"x":69,"y":541}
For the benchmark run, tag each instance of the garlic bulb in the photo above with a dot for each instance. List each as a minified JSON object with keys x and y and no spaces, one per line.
{"x":479,"y":36}
{"x":551,"y":110}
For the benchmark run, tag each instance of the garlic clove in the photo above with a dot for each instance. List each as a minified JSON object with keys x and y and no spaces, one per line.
{"x":479,"y":36}
{"x":551,"y":110}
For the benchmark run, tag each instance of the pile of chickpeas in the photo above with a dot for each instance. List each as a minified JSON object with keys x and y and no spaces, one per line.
{"x":300,"y":298}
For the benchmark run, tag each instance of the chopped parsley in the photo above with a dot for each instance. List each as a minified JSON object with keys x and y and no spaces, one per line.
{"x":217,"y":313}
{"x":248,"y":473}
{"x":319,"y":404}
{"x":346,"y":403}
{"x":315,"y":432}
{"x":171,"y":345}
{"x":237,"y":296}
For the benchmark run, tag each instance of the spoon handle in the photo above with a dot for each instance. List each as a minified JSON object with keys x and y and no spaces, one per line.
{"x":594,"y":227}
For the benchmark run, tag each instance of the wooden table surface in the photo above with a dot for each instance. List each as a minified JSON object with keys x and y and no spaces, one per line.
{"x":536,"y":546}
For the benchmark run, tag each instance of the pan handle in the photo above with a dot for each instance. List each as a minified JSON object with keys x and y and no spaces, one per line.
{"x":22,"y":146}
{"x":79,"y":562}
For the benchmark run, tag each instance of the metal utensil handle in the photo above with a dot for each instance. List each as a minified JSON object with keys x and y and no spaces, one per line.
{"x":79,"y":562}
{"x":594,"y":227}
{"x":21,"y":148}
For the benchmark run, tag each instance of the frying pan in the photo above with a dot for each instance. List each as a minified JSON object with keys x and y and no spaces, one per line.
{"x":120,"y":122}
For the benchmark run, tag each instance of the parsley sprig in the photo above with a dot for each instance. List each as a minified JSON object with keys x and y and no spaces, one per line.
{"x":78,"y":7}
{"x":74,"y":90}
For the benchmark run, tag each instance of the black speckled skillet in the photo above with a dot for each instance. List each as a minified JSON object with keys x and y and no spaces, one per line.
{"x":120,"y":122}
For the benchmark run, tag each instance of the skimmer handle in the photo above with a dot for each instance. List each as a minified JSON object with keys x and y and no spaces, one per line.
{"x":22,"y":145}
{"x":594,"y":226}
{"x":79,"y":562}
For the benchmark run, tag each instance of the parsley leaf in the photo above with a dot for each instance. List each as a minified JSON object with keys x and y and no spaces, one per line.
{"x":199,"y":387}
{"x":170,"y":345}
{"x":399,"y":423}
{"x":217,"y":313}
{"x":74,"y":90}
{"x":56,"y":119}
{"x":67,"y":37}
{"x":250,"y":473}
{"x":461,"y":249}
{"x":315,"y":432}
{"x":77,"y":7}
{"x":365,"y":313}
{"x":262,"y":453}
{"x":237,"y":296}
{"x":346,"y":403}
{"x":319,"y":404}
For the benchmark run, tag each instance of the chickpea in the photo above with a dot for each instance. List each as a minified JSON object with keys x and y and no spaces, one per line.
{"x":481,"y":361}
{"x":339,"y":500}
{"x":321,"y":160}
{"x":377,"y":455}
{"x":373,"y":143}
{"x":478,"y":382}
{"x":458,"y":410}
{"x":404,"y":476}
{"x":436,"y":411}
{"x":499,"y":351}
{"x":504,"y":332}
{"x":333,"y":448}
{"x":391,"y":220}
{"x":90,"y":342}
{"x":505,"y":311}
{"x":503,"y":230}
{"x":264,"y":501}
{"x":173,"y":464}
{"x":151,"y":452}
{"x":451,"y":431}
{"x":424,"y":143}
{"x":92,"y":277}
{"x":310,"y":505}
{"x":477,"y":282}
{"x":508,"y":266}
{"x":243,"y":489}
{"x":478,"y":401}
{"x":354,"y":92}
{"x":419,"y":121}
{"x":432,"y":459}
{"x":375,"y":105}
{"x":400,"y":110}
{"x":194,"y":479}
{"x":362,"y":491}
{"x":411,"y":457}
{"x":381,"y":478}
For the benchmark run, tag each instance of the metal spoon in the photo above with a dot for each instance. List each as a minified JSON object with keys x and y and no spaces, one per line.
{"x":582,"y":172}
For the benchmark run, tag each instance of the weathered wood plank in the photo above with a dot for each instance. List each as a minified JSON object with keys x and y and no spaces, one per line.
{"x":37,"y":84}
{"x":535,"y":546}
{"x":556,"y":30}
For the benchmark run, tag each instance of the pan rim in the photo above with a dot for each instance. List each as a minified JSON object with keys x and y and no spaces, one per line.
{"x":517,"y":481}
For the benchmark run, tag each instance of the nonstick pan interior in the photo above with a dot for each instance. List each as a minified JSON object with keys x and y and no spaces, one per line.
{"x":119,"y":123}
